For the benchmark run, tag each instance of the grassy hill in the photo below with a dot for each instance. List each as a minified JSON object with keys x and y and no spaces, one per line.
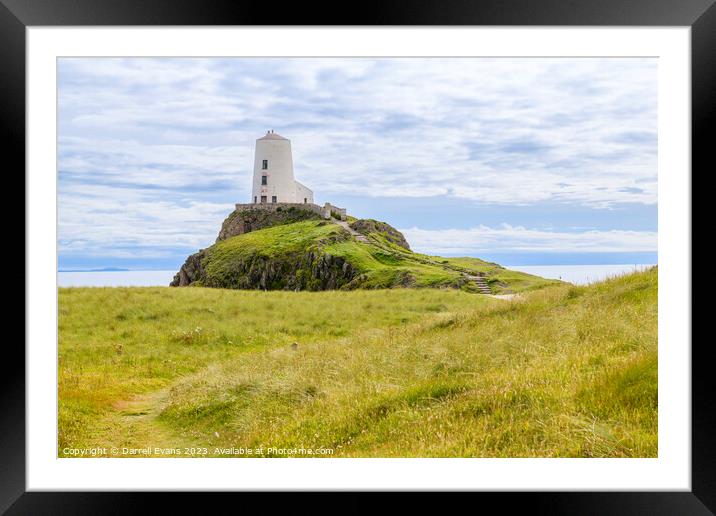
{"x":323,"y":255}
{"x":563,"y":371}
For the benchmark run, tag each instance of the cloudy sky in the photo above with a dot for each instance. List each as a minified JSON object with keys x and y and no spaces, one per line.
{"x":520,"y":161}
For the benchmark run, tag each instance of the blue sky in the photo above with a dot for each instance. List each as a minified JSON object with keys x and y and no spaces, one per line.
{"x":520,"y":161}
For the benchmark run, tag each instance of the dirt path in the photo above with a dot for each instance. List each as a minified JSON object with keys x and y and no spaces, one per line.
{"x":507,"y":297}
{"x":358,"y":236}
{"x":134,"y":423}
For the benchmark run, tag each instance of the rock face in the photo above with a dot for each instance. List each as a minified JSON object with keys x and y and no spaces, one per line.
{"x":368,"y":226}
{"x":240,"y":222}
{"x":312,"y":271}
{"x":190,"y":272}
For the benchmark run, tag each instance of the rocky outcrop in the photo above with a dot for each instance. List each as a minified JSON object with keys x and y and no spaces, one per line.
{"x":245,"y":221}
{"x":312,"y":271}
{"x":392,"y":235}
{"x":191,"y":272}
{"x":300,"y":248}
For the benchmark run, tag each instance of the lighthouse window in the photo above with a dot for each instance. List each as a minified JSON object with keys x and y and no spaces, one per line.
{"x":264,"y":165}
{"x":263,"y":180}
{"x":273,"y":199}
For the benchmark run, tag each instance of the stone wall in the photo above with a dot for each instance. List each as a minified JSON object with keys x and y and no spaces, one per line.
{"x":283,"y":205}
{"x":325,"y":211}
{"x":329,"y":209}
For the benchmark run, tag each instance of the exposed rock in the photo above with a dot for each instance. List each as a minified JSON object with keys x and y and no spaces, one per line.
{"x":191,"y":272}
{"x":310,"y":271}
{"x":407,"y":280}
{"x":240,"y":222}
{"x":368,"y":226}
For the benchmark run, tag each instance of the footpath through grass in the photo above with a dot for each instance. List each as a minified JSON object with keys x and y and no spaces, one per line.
{"x":564,"y":372}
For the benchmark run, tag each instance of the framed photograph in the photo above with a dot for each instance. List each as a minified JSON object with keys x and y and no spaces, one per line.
{"x":437,"y":248}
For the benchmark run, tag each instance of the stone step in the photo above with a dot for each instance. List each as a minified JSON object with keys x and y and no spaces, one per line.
{"x":480,"y":282}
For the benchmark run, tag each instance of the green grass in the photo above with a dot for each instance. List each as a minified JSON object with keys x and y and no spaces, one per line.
{"x":385,"y":269}
{"x":500,"y":279}
{"x":563,"y":372}
{"x":273,"y":241}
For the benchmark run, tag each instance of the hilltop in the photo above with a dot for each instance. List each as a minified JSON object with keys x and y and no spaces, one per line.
{"x":296,"y":249}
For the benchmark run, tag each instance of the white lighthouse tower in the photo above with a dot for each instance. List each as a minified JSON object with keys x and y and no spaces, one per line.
{"x":273,"y":173}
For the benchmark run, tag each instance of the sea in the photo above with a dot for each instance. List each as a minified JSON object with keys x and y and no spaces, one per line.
{"x":576,"y":274}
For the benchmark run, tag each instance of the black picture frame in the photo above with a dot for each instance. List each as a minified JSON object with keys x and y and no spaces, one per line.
{"x":17,"y":15}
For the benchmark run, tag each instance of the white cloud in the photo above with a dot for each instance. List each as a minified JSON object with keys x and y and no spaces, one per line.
{"x":154,"y":152}
{"x":540,"y":122}
{"x":102,"y":221}
{"x":484,"y":239}
{"x":160,"y":165}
